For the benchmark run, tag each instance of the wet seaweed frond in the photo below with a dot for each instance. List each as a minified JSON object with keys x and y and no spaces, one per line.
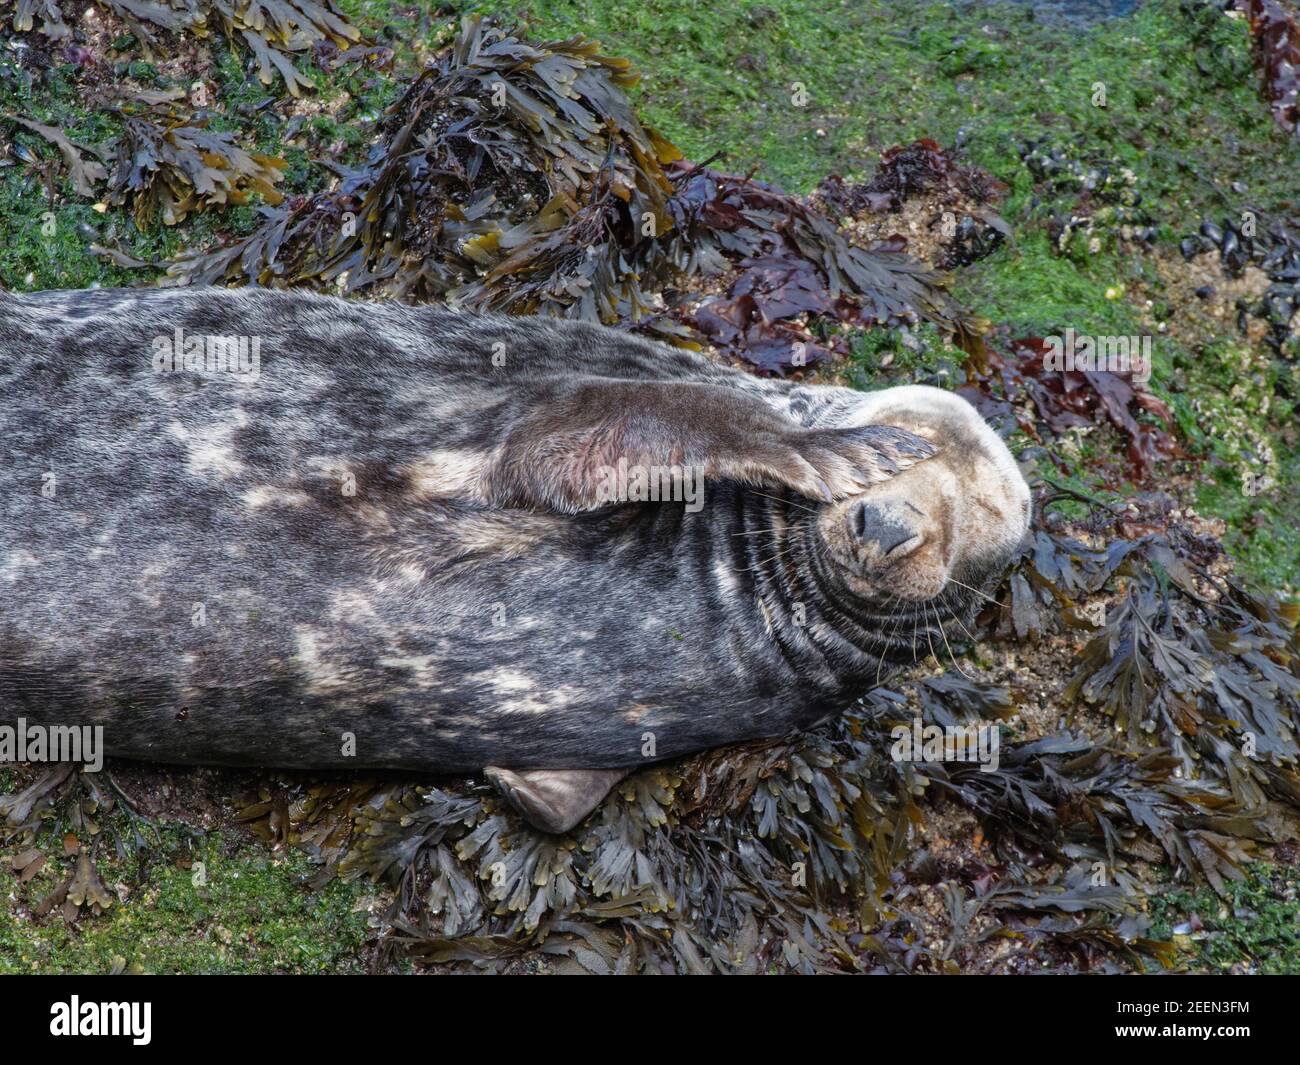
{"x":88,"y":815}
{"x":274,"y":32}
{"x":490,"y":153}
{"x":516,"y":178}
{"x":164,"y":165}
{"x":789,"y":268}
{"x":167,"y":169}
{"x":1051,"y":399}
{"x":84,"y":173}
{"x":1179,"y":655}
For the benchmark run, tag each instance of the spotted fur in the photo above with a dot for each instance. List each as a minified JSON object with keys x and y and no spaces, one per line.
{"x":385,"y":534}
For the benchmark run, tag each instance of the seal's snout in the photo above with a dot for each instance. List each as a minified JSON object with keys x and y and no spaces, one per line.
{"x":962,"y":511}
{"x":881,"y":532}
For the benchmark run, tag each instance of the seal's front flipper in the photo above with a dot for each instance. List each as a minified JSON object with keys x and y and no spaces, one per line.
{"x":554,"y":800}
{"x":564,"y":451}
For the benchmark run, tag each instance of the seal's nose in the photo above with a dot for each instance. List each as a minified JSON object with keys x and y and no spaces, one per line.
{"x":877,"y":530}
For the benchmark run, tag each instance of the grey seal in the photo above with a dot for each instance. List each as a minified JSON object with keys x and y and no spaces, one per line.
{"x":273,"y":528}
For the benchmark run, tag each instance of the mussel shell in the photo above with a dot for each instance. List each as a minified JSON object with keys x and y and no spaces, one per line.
{"x":1231,"y":247}
{"x":1274,"y":258}
{"x":1279,"y":308}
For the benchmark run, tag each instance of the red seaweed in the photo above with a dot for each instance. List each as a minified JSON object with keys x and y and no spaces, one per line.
{"x":1278,"y":38}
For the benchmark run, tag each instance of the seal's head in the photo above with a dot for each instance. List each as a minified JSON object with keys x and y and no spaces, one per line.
{"x":951,"y":522}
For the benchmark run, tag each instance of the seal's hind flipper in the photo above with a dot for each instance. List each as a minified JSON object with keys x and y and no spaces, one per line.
{"x":554,"y":800}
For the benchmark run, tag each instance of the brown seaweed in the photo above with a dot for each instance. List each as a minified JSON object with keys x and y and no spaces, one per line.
{"x":167,"y":169}
{"x":274,"y":31}
{"x":517,"y":178}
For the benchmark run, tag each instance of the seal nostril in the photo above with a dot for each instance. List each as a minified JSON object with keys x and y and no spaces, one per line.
{"x":901,"y":537}
{"x":876,"y":529}
{"x":859,"y":521}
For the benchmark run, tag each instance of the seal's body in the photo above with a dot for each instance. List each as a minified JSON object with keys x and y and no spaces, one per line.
{"x":370,"y":535}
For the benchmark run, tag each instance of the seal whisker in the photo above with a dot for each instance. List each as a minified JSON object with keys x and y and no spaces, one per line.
{"x":927,"y":634}
{"x":783,"y":553}
{"x":969,"y":635}
{"x":787,"y":502}
{"x":884,"y":644}
{"x":982,"y":595}
{"x":939,"y":621}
